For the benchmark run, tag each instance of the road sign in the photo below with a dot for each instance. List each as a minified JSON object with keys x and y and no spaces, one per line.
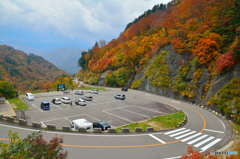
{"x":234,"y":111}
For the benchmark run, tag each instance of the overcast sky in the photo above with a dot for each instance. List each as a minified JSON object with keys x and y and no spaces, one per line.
{"x":52,"y":24}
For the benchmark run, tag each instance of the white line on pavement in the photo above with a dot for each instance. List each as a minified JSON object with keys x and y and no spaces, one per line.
{"x":174,"y":131}
{"x":157,"y":138}
{"x":210,"y":144}
{"x":179,"y":137}
{"x":43,"y":125}
{"x":197,"y":139}
{"x":134,"y":113}
{"x":204,"y":141}
{"x":147,"y":109}
{"x":190,"y":137}
{"x":214,"y":131}
{"x":180,"y":133}
{"x":118,"y":116}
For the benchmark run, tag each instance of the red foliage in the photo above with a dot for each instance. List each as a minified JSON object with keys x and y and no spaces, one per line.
{"x":177,"y":44}
{"x":225,"y":61}
{"x":191,"y":154}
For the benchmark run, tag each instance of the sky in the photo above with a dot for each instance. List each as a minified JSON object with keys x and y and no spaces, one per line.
{"x":52,"y":24}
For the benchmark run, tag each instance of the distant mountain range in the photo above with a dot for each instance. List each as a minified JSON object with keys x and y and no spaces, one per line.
{"x":65,"y":58}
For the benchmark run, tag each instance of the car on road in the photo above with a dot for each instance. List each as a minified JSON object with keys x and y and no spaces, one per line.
{"x":125,"y":89}
{"x":79,"y":92}
{"x":80,"y":102}
{"x":29,"y":96}
{"x":120,"y":96}
{"x":87,"y":97}
{"x":102,"y":124}
{"x":65,"y":100}
{"x":56,"y":101}
{"x":45,"y":105}
{"x":93,"y":91}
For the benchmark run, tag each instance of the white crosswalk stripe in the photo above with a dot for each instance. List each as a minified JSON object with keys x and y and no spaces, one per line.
{"x":179,"y":137}
{"x":170,"y":132}
{"x":179,"y":133}
{"x":211,"y":144}
{"x":197,"y":139}
{"x":193,"y":137}
{"x":204,"y":141}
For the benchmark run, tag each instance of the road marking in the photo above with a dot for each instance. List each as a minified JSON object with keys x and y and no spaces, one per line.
{"x":67,"y":119}
{"x":174,"y":131}
{"x":211,"y":144}
{"x":134,"y":113}
{"x":148,"y":109}
{"x":190,"y":137}
{"x":179,"y":133}
{"x":118,"y":116}
{"x":204,"y":141}
{"x":179,"y":137}
{"x":157,"y":138}
{"x":34,"y":105}
{"x":214,"y":131}
{"x":66,"y":105}
{"x":57,"y":106}
{"x":43,"y":125}
{"x":197,"y":139}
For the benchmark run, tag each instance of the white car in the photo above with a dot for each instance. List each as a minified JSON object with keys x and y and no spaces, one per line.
{"x":93,"y":91}
{"x":65,"y":100}
{"x":29,"y":96}
{"x":56,"y":101}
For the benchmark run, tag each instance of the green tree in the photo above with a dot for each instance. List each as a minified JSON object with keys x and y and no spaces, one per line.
{"x":6,"y":90}
{"x":33,"y":146}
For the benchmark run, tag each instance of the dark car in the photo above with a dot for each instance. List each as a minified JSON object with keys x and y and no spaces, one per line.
{"x":79,"y":92}
{"x":87,"y":97}
{"x":120,"y":96}
{"x":56,"y":101}
{"x":101,"y":124}
{"x":45,"y":105}
{"x":125,"y":89}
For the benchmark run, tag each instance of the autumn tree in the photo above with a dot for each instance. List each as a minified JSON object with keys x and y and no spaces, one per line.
{"x":6,"y":89}
{"x":33,"y":146}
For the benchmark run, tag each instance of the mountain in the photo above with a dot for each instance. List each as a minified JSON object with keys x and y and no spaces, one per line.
{"x":20,"y":46}
{"x":25,"y":71}
{"x":65,"y":58}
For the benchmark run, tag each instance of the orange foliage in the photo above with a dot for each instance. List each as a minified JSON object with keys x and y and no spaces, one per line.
{"x":207,"y":48}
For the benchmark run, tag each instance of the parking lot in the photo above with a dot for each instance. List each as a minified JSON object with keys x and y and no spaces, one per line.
{"x":103,"y":107}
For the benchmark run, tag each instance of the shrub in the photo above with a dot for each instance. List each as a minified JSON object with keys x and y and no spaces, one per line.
{"x":158,"y":71}
{"x":137,"y":84}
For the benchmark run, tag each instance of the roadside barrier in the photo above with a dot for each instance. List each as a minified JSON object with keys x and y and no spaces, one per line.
{"x":22,"y":121}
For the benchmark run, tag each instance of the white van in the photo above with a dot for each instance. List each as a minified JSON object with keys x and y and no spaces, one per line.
{"x":29,"y":96}
{"x":81,"y":123}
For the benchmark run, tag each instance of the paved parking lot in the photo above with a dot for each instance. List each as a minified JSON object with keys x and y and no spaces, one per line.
{"x":103,"y":107}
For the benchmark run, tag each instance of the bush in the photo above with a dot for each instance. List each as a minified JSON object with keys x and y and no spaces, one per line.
{"x":137,"y":84}
{"x":6,"y":90}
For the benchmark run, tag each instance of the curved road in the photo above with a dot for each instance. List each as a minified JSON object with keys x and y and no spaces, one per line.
{"x":204,"y":131}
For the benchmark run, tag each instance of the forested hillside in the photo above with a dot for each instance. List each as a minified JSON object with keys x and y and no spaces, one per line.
{"x":205,"y":34}
{"x":24,"y":71}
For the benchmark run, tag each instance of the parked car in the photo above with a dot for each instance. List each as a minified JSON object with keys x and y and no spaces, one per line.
{"x":93,"y":91}
{"x":56,"y":101}
{"x":65,"y":100}
{"x":79,"y":92}
{"x":29,"y":96}
{"x":87,"y":97}
{"x":80,"y":102}
{"x":102,"y":124}
{"x":45,"y":105}
{"x":125,"y":89}
{"x":120,"y":96}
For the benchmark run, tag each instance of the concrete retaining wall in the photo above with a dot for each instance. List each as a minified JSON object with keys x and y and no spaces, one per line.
{"x":51,"y":126}
{"x":22,"y":122}
{"x":36,"y":124}
{"x":97,"y":130}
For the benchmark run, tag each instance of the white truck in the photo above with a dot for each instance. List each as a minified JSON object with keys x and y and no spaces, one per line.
{"x":81,"y":123}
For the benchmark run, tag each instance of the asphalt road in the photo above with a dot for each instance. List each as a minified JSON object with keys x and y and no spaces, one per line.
{"x":204,"y":131}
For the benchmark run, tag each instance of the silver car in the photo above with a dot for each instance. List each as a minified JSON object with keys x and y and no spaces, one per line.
{"x":80,"y":102}
{"x":93,"y":91}
{"x":87,"y":97}
{"x":65,"y":100}
{"x":79,"y":92}
{"x":120,"y":96}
